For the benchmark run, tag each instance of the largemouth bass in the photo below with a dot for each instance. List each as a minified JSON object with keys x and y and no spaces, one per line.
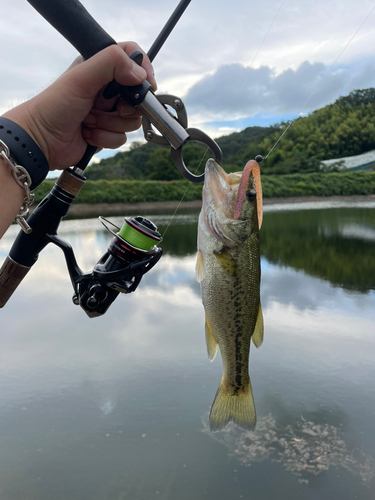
{"x":228,"y":269}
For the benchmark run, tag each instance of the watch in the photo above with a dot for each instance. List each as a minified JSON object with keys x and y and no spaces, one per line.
{"x":25,"y":151}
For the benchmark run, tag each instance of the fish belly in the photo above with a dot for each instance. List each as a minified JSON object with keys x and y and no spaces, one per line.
{"x":231,"y":299}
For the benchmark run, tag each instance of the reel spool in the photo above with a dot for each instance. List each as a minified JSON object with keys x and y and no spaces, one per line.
{"x":136,"y":240}
{"x":132,"y":252}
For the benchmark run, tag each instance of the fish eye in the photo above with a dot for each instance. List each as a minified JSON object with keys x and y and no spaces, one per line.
{"x":251,"y":195}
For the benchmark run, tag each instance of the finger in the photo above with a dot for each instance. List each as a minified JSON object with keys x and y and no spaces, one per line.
{"x":103,"y":138}
{"x":105,"y":104}
{"x":112,"y":63}
{"x":111,"y":122}
{"x":125,"y":109}
{"x":130,"y":47}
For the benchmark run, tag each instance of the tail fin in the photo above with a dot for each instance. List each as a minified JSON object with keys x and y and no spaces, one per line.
{"x":227,"y":407}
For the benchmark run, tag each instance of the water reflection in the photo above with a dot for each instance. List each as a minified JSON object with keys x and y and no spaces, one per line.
{"x":306,"y":446}
{"x":114,"y":403}
{"x":334,"y":245}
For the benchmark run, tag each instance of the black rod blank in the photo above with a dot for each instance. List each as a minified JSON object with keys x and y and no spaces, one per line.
{"x":165,"y":32}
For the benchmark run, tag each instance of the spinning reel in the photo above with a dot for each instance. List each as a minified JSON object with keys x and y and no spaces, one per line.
{"x":121,"y":268}
{"x":131,"y":253}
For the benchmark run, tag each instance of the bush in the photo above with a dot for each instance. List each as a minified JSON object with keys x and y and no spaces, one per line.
{"x":274,"y":186}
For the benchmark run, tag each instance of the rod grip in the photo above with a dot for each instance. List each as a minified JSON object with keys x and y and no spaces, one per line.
{"x":76,"y":24}
{"x":11,"y":275}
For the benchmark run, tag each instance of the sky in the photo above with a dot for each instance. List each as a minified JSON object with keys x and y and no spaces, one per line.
{"x":234,"y":64}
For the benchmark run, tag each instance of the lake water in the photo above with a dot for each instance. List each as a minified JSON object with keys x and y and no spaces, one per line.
{"x":116,"y":407}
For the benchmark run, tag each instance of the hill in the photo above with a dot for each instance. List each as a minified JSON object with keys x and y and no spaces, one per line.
{"x":342,"y":129}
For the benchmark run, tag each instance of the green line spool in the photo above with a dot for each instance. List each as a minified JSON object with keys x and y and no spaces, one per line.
{"x":140,"y":233}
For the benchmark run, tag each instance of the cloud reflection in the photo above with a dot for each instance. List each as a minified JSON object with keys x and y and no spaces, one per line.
{"x":305,"y":447}
{"x":162,"y":323}
{"x":56,"y":344}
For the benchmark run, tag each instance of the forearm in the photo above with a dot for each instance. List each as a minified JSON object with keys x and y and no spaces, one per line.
{"x":11,"y":197}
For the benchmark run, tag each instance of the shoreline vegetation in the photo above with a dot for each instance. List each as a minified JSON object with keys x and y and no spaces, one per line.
{"x":273,"y":186}
{"x":88,"y":210}
{"x":130,"y":197}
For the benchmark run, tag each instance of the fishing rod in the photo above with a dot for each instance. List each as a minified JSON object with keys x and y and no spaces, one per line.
{"x":133,"y":250}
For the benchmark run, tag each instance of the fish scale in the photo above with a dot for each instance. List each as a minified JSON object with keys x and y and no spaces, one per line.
{"x":229,"y":276}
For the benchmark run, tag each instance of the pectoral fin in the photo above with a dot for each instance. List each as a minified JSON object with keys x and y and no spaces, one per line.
{"x":210,"y":342}
{"x":199,"y":267}
{"x":226,"y":261}
{"x":258,"y":334}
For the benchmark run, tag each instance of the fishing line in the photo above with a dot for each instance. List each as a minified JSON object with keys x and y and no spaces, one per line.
{"x":319,"y":83}
{"x":183,"y":196}
{"x":265,"y":36}
{"x":226,"y":113}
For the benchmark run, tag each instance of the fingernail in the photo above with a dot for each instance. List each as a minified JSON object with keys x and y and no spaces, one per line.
{"x":90,"y":119}
{"x":139,"y":72}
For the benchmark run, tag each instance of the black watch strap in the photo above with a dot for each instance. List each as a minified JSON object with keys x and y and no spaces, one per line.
{"x":25,"y":151}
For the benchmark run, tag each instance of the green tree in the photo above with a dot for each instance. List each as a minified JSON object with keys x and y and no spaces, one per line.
{"x":160,"y":166}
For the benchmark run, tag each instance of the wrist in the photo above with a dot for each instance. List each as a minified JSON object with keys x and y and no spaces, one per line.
{"x":11,"y":199}
{"x":24,"y":116}
{"x":24,"y":149}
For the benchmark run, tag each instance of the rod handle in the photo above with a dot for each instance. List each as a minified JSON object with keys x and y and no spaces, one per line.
{"x":76,"y":24}
{"x":11,"y":275}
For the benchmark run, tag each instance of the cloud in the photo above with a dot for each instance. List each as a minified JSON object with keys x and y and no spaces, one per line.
{"x":236,"y":91}
{"x":210,"y":50}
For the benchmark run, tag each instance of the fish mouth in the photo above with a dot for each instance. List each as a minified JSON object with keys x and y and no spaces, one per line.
{"x":216,"y":185}
{"x":227,"y":192}
{"x":215,"y":177}
{"x":220,"y":188}
{"x":216,"y":208}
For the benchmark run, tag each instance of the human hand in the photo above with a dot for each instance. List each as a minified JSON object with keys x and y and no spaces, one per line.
{"x":72,"y":112}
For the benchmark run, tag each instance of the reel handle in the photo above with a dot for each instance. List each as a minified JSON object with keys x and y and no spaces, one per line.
{"x":75,"y":23}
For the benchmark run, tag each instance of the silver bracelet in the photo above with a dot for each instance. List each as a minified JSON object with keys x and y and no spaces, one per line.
{"x":23,"y":179}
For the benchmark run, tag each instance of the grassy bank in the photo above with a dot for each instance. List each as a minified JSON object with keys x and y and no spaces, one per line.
{"x":274,"y":186}
{"x":315,"y":184}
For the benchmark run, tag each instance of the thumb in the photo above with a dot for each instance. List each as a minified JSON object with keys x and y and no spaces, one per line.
{"x":112,"y":63}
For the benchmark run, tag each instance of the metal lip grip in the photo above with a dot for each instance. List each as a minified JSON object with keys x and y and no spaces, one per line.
{"x":174,"y":130}
{"x":199,"y":136}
